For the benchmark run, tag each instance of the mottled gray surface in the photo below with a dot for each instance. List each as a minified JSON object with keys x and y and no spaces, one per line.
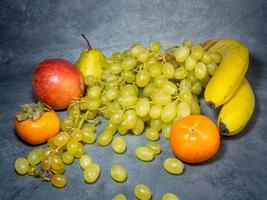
{"x":31,"y":31}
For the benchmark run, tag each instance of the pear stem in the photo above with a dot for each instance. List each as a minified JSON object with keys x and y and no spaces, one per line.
{"x":87,"y":41}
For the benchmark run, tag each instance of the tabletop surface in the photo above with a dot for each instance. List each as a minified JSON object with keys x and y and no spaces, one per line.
{"x":31,"y":31}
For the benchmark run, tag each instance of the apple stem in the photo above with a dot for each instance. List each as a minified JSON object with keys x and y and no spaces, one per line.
{"x":87,"y":41}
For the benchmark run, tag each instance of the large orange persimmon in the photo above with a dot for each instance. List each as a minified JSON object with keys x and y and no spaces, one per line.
{"x":194,"y":138}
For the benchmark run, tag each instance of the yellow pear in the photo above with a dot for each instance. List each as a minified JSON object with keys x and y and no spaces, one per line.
{"x":90,"y":61}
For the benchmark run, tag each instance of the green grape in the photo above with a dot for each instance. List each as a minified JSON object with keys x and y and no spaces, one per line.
{"x":118,"y":173}
{"x":117,"y":117}
{"x":155,"y":46}
{"x":35,"y":156}
{"x":130,"y":89}
{"x":187,"y":43}
{"x":169,"y":196}
{"x":181,"y":53}
{"x":111,"y":80}
{"x":115,"y":68}
{"x":105,"y":138}
{"x":183,"y":109}
{"x":185,"y":96}
{"x":91,"y":173}
{"x":206,"y":58}
{"x":190,"y":63}
{"x":120,"y":197}
{"x":195,"y":108}
{"x":160,"y":80}
{"x":200,"y":70}
{"x":142,"y":192}
{"x":90,"y":80}
{"x":142,"y":78}
{"x":143,"y":55}
{"x":104,"y":100}
{"x":156,"y":124}
{"x":45,"y":163}
{"x":106,"y":73}
{"x":215,"y":57}
{"x":117,"y":56}
{"x":211,"y":67}
{"x":129,"y":63}
{"x":148,"y":89}
{"x":77,"y":134}
{"x":94,"y":91}
{"x":136,"y":49}
{"x":160,"y":97}
{"x":33,"y":170}
{"x":155,"y":147}
{"x":155,"y":69}
{"x":50,"y":142}
{"x":128,"y":76}
{"x":196,"y":87}
{"x":128,"y":101}
{"x":72,"y":146}
{"x":85,"y":161}
{"x":56,"y":162}
{"x":89,"y":128}
{"x":138,"y":127}
{"x":166,"y":130}
{"x":21,"y":166}
{"x":130,"y":118}
{"x":168,"y":70}
{"x":73,"y":110}
{"x":173,"y":166}
{"x":88,"y":137}
{"x":66,"y":123}
{"x":106,"y":62}
{"x":61,"y":139}
{"x":112,"y":93}
{"x":205,"y":80}
{"x":169,"y":87}
{"x":67,"y":158}
{"x":142,"y":107}
{"x":185,"y":84}
{"x":144,"y":153}
{"x":191,"y":77}
{"x":168,"y":113}
{"x":180,"y":73}
{"x":80,"y":151}
{"x":155,"y":111}
{"x":94,"y":103}
{"x":122,"y":129}
{"x":112,"y":128}
{"x":58,"y":181}
{"x":151,"y":134}
{"x":119,"y":145}
{"x":197,"y":52}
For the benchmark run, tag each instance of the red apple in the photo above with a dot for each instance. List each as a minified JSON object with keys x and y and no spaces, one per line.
{"x":57,"y":82}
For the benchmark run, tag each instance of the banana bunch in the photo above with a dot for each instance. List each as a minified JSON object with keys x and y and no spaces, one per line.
{"x":229,"y":88}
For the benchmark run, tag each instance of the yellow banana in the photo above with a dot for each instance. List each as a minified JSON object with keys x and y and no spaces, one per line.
{"x":236,"y":113}
{"x":230,"y":72}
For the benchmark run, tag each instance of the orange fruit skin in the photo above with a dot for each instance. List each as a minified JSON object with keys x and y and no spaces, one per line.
{"x":39,"y":131}
{"x":194,"y":139}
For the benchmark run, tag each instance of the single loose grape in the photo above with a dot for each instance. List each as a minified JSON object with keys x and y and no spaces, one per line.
{"x":155,"y":69}
{"x":136,"y":49}
{"x":155,"y":46}
{"x":92,"y":173}
{"x":169,"y":196}
{"x":130,"y":89}
{"x":168,"y":113}
{"x":117,"y":56}
{"x":122,"y":129}
{"x":77,"y":134}
{"x":130,"y":119}
{"x":118,"y":173}
{"x":144,"y":153}
{"x":119,"y":145}
{"x":185,"y":96}
{"x":200,"y":70}
{"x":80,"y":151}
{"x":142,"y":78}
{"x":185,"y":84}
{"x":181,"y":53}
{"x":127,"y":101}
{"x":105,"y":138}
{"x":120,"y":197}
{"x":206,"y":58}
{"x":128,"y":76}
{"x":155,"y":147}
{"x":85,"y":161}
{"x":67,"y":158}
{"x":21,"y":166}
{"x":160,"y":80}
{"x":166,"y":130}
{"x":138,"y":127}
{"x":112,"y":128}
{"x":168,"y":70}
{"x":35,"y":156}
{"x":151,"y":134}
{"x":142,"y":107}
{"x":190,"y":63}
{"x":117,"y":117}
{"x":88,"y":137}
{"x":211,"y":67}
{"x":58,"y":181}
{"x":56,"y":162}
{"x":112,"y":93}
{"x":115,"y":68}
{"x":216,"y":57}
{"x":197,"y":52}
{"x":196,"y":87}
{"x":148,"y":89}
{"x":183,"y":109}
{"x":195,"y":108}
{"x":33,"y":170}
{"x":61,"y":139}
{"x":169,"y":87}
{"x":191,"y":77}
{"x":94,"y":91}
{"x":129,"y":63}
{"x":143,"y":55}
{"x":142,"y":192}
{"x":45,"y":163}
{"x":160,"y":97}
{"x":72,"y":146}
{"x":156,"y":124}
{"x":180,"y":73}
{"x":173,"y":166}
{"x":155,"y":111}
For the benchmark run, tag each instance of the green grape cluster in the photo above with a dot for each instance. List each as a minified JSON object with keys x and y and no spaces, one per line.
{"x":140,"y":87}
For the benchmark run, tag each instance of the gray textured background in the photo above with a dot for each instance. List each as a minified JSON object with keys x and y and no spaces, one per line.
{"x":31,"y":31}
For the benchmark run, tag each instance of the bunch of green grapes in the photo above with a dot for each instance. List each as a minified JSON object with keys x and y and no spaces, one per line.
{"x":139,"y":87}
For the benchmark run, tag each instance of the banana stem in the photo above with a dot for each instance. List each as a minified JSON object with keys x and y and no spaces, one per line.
{"x":87,"y":41}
